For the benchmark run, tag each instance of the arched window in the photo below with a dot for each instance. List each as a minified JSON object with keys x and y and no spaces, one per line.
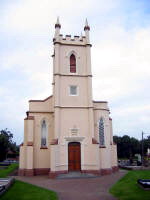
{"x":72,"y":63}
{"x":43,"y":133}
{"x":101,"y":132}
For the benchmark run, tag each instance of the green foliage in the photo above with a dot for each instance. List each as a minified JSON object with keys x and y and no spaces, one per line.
{"x":127,"y":188}
{"x":24,"y":191}
{"x":146,"y":143}
{"x":5,"y":172}
{"x":6,"y":144}
{"x":128,"y":146}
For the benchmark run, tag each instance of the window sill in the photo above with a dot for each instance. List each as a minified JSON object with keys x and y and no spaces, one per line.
{"x":73,"y":73}
{"x":102,"y":146}
{"x":73,"y":95}
{"x":43,"y":148}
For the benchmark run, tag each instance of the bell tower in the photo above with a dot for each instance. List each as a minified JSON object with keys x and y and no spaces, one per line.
{"x":72,"y":89}
{"x":68,"y":131}
{"x":72,"y":70}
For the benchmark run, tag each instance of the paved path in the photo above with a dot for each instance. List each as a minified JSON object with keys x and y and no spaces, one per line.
{"x":78,"y":189}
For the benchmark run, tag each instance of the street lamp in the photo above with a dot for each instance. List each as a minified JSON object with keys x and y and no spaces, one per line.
{"x":143,"y":148}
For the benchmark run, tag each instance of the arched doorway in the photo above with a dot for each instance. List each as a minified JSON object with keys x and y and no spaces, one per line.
{"x":74,"y":156}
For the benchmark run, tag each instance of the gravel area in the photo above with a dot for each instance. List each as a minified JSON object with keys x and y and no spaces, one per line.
{"x":96,"y":188}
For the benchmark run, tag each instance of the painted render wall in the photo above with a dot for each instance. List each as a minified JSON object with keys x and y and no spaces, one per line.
{"x":81,"y":99}
{"x":42,"y":156}
{"x":42,"y":106}
{"x":63,"y":53}
{"x":69,"y":118}
{"x":93,"y":157}
{"x":35,"y":155}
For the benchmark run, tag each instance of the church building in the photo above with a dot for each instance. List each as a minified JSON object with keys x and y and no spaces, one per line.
{"x":68,"y":131}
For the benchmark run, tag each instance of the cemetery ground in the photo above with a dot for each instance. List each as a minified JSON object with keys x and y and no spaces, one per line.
{"x":127,"y":187}
{"x":24,"y":191}
{"x":8,"y":170}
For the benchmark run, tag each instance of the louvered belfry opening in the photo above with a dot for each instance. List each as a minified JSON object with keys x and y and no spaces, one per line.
{"x":72,"y":63}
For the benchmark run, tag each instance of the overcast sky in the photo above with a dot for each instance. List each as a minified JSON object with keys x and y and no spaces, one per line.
{"x":120,"y":35}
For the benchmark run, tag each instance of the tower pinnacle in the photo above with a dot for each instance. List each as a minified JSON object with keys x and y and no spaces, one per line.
{"x":57,"y":25}
{"x":86,"y":27}
{"x":81,"y":36}
{"x":57,"y":29}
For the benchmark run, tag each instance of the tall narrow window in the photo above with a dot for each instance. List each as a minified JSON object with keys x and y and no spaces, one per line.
{"x":72,"y":63}
{"x":43,"y":133}
{"x":101,"y":132}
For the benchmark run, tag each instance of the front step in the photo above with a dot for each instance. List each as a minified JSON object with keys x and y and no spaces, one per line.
{"x":76,"y":175}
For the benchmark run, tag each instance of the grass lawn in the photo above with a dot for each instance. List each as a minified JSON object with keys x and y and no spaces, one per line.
{"x":128,"y":189}
{"x":5,"y":172}
{"x":24,"y":191}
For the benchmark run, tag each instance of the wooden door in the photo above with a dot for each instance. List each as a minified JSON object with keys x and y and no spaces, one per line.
{"x":74,"y":156}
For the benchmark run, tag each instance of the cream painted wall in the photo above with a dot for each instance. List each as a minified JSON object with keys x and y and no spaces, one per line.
{"x":91,"y":157}
{"x":82,"y":91}
{"x":73,"y":118}
{"x":43,"y":106}
{"x":42,"y":156}
{"x":105,"y":158}
{"x":81,"y":59}
{"x":49,"y":118}
{"x":29,"y":157}
{"x":25,"y":132}
{"x":68,"y":118}
{"x":22,"y":157}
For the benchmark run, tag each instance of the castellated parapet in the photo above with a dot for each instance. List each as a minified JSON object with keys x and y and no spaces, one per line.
{"x":76,"y":40}
{"x":68,"y":40}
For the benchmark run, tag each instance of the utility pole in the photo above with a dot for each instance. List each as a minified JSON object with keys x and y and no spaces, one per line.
{"x":142,"y":149}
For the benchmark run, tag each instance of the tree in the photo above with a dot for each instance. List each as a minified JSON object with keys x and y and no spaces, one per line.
{"x":127,"y":147}
{"x":146,"y":142}
{"x":6,"y":143}
{"x":117,"y":140}
{"x":135,"y":146}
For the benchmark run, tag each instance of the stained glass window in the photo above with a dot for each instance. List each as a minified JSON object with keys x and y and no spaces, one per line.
{"x":101,"y":132}
{"x":43,"y":133}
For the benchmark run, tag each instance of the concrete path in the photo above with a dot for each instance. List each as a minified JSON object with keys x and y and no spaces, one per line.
{"x":78,"y":189}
